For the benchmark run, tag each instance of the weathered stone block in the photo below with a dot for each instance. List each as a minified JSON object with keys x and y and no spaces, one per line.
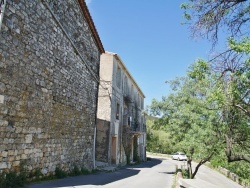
{"x":11,"y":159}
{"x":2,"y":87}
{"x":16,"y":163}
{"x":18,"y":158}
{"x":24,"y":156}
{"x":4,"y":154}
{"x":3,"y":165}
{"x":3,"y":123}
{"x":28,"y":138}
{"x":11,"y":152}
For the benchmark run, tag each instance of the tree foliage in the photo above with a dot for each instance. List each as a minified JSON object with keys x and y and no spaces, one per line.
{"x":157,"y":140}
{"x":186,"y":115}
{"x":209,"y":108}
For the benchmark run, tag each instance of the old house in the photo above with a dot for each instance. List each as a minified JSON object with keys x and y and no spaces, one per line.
{"x":49,"y":78}
{"x":121,"y":129}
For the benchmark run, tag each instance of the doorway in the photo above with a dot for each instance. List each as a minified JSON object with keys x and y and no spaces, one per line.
{"x":113,"y":149}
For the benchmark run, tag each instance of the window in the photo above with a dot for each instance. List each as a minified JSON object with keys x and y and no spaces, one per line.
{"x":117,"y":111}
{"x":118,"y":77}
{"x":142,"y":103}
{"x":125,"y":86}
{"x":129,"y":120}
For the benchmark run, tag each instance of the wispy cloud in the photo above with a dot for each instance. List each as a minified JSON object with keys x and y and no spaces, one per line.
{"x":88,"y":1}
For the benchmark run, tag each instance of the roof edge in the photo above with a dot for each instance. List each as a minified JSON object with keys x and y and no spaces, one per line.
{"x":119,"y":58}
{"x":91,"y":24}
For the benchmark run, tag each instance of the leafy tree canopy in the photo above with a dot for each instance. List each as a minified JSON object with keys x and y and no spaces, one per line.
{"x":209,"y":108}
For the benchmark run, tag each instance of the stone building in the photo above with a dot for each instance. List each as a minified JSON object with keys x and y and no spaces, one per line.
{"x":49,"y":78}
{"x":121,"y":128}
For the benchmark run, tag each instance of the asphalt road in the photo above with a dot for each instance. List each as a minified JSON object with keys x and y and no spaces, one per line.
{"x":217,"y":179}
{"x":157,"y":173}
{"x":207,"y":178}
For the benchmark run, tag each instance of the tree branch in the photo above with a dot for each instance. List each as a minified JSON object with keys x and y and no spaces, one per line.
{"x":201,"y":163}
{"x":243,"y":109}
{"x":233,"y":158}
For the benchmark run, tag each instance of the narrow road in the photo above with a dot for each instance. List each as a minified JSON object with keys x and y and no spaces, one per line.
{"x":216,"y":178}
{"x":157,"y":173}
{"x":208,"y":178}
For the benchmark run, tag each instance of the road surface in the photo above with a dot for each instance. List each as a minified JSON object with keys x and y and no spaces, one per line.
{"x":157,"y":173}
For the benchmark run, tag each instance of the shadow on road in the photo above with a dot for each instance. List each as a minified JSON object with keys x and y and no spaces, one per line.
{"x":168,"y":172}
{"x":98,"y":178}
{"x":149,"y":164}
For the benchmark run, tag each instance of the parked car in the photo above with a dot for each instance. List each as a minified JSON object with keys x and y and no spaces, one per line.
{"x":180,"y":156}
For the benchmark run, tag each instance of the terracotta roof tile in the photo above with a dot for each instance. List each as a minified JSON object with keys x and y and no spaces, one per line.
{"x":91,"y":24}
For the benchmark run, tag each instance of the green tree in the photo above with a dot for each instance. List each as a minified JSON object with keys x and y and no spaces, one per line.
{"x":234,"y":78}
{"x":231,"y":85}
{"x":209,"y":110}
{"x":157,"y":139}
{"x":186,"y":116}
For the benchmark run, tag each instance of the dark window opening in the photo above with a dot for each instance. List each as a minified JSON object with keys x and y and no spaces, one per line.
{"x":117,"y":111}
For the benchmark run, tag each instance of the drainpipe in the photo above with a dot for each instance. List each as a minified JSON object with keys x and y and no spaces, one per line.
{"x":2,"y":8}
{"x":95,"y":124}
{"x":94,"y":147}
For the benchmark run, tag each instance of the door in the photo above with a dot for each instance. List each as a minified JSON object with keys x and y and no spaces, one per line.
{"x":113,"y":154}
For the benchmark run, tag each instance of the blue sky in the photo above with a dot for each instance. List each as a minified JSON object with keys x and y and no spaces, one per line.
{"x":150,"y":39}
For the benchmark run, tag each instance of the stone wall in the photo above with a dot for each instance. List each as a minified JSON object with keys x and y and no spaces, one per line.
{"x":49,"y":64}
{"x":233,"y":177}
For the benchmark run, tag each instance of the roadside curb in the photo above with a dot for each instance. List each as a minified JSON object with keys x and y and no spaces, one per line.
{"x":233,"y":177}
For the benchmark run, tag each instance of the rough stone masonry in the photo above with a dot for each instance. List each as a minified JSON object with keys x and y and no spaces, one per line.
{"x":49,"y":67}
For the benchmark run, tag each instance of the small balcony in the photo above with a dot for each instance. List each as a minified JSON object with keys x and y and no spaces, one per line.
{"x":138,"y":128}
{"x":135,"y":128}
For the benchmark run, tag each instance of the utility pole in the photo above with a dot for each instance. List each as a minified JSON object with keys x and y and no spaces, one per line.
{"x":2,"y":7}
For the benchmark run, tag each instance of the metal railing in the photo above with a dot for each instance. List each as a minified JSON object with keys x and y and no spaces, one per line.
{"x":136,"y":127}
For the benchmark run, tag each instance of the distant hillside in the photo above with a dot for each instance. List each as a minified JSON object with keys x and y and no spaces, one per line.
{"x":151,"y":118}
{"x":157,"y":139}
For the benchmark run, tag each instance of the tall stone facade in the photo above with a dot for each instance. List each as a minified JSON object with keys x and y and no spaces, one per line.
{"x":121,"y":125}
{"x":49,"y":71}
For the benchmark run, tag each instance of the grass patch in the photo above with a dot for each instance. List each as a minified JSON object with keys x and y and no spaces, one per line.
{"x":59,"y":173}
{"x":13,"y":179}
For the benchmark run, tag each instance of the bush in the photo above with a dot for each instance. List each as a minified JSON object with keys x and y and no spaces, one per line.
{"x":185,"y":174}
{"x":12,"y":179}
{"x":75,"y":171}
{"x":84,"y":171}
{"x":59,"y":173}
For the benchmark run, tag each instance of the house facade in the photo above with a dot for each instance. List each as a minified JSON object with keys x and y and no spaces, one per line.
{"x":49,"y":77}
{"x":121,"y":128}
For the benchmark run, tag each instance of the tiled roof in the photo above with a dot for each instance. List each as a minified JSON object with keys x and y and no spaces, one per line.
{"x":91,"y":25}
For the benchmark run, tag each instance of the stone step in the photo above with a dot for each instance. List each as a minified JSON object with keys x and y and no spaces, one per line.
{"x":109,"y":169}
{"x":103,"y":166}
{"x":100,"y":164}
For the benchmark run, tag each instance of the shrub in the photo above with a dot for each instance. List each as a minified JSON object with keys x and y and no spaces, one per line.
{"x":59,"y":173}
{"x":85,"y":171}
{"x":12,"y":179}
{"x":75,"y":171}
